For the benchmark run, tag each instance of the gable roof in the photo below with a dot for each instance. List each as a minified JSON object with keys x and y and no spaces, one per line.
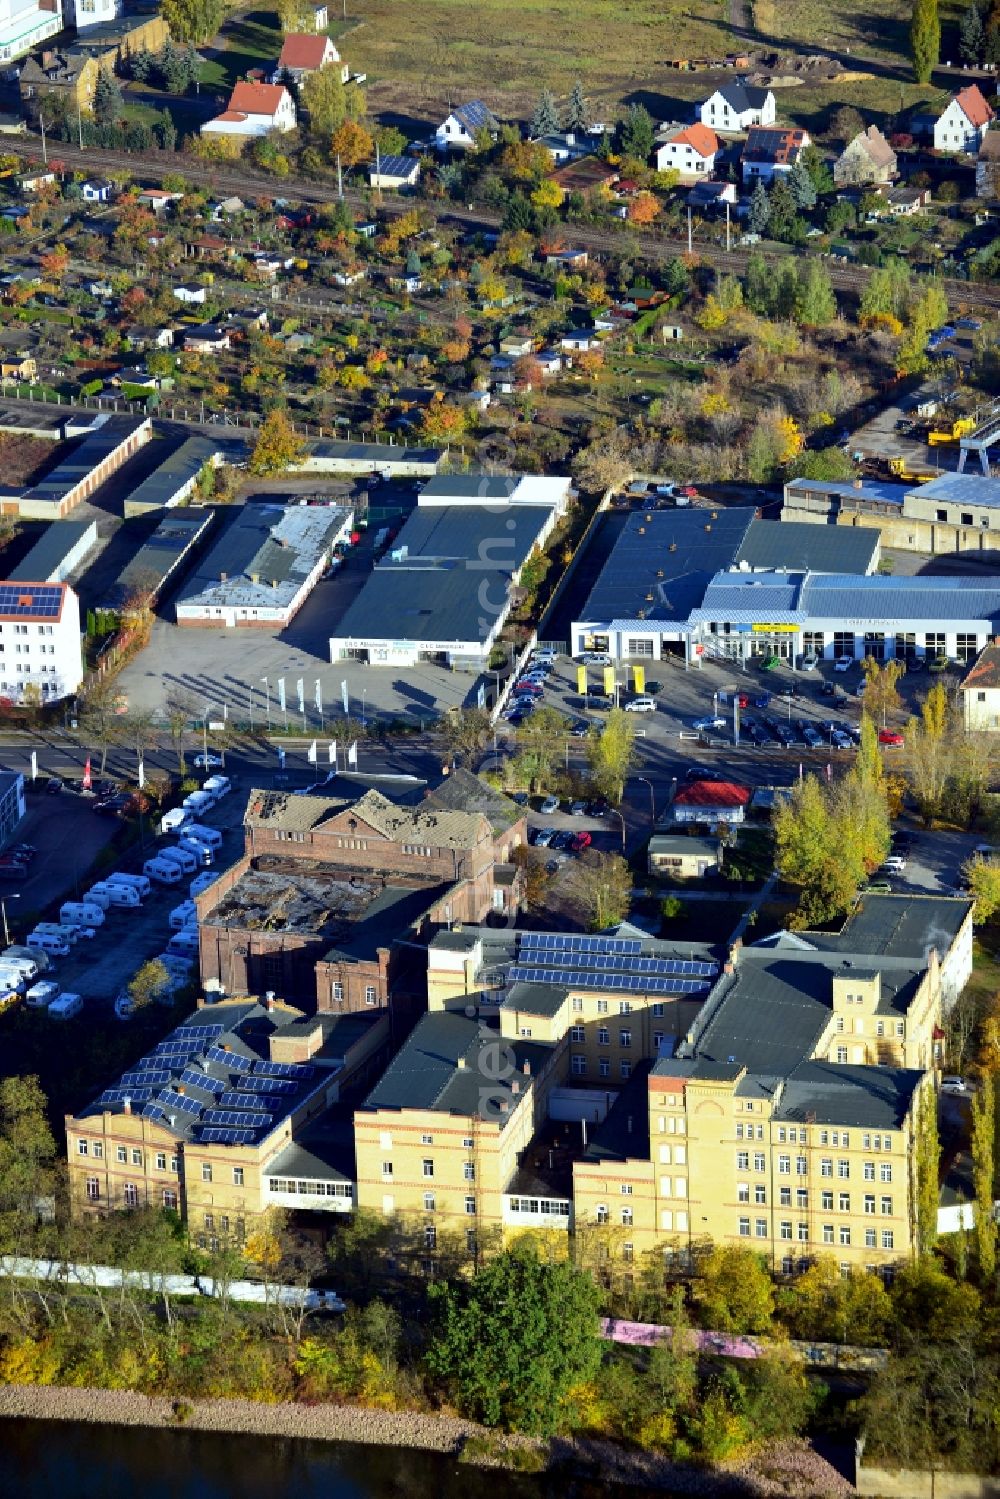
{"x":465,"y":792}
{"x":743,"y":96}
{"x":699,"y":138}
{"x":712,"y":794}
{"x":875,"y":146}
{"x":973,"y":105}
{"x":474,"y":116}
{"x":773,"y":143}
{"x":984,"y":671}
{"x":302,"y":51}
{"x":255,"y":99}
{"x":990,"y":148}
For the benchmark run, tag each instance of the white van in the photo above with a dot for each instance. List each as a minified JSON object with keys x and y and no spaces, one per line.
{"x":21,"y":961}
{"x":178,"y":965}
{"x":184,"y":944}
{"x":55,"y":929}
{"x":173,"y":821}
{"x":135,"y":881}
{"x":199,"y":801}
{"x":47,"y":942}
{"x":201,"y":882}
{"x":40,"y":996}
{"x":10,"y":978}
{"x":199,"y":850}
{"x":98,"y":895}
{"x":119,"y":897}
{"x":80,"y":913}
{"x":163,"y":871}
{"x":186,"y":859}
{"x":182,"y":915}
{"x":66,"y":1006}
{"x":217,"y":786}
{"x":197,"y":830}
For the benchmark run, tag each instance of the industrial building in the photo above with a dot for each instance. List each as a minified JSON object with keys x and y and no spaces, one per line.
{"x":58,"y":552}
{"x":159,"y":561}
{"x":105,"y":444}
{"x":691,"y":583}
{"x":444,"y":591}
{"x":386,"y":459}
{"x":264,"y":566}
{"x":173,"y":481}
{"x":950,"y":513}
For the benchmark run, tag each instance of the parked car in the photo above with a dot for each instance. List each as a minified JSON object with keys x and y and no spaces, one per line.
{"x":578,"y":809}
{"x":544,"y":837}
{"x":641,"y":705}
{"x":894,"y":864}
{"x":914,"y":665}
{"x":580,"y":841}
{"x":702,"y":773}
{"x":549,"y":805}
{"x":875,"y":887}
{"x":53,"y":785}
{"x":762,"y":700}
{"x":938,"y":663}
{"x":599,"y":704}
{"x":207,"y":761}
{"x":953,"y":1084}
{"x":580,"y":729}
{"x":890,"y":737}
{"x":520,"y":797}
{"x":597,"y":808}
{"x":769,"y":663}
{"x":810,"y":661}
{"x":713,"y":721}
{"x":843,"y":663}
{"x":562,"y":839}
{"x":596,"y":658}
{"x":530,"y":689}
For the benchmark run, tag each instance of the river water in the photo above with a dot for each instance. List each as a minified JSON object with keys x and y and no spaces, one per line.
{"x":65,"y":1460}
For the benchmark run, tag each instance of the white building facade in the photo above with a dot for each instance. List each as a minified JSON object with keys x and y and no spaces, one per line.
{"x":24,"y":24}
{"x":39,"y":641}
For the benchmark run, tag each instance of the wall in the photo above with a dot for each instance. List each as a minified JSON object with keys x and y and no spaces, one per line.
{"x":909,"y":1483}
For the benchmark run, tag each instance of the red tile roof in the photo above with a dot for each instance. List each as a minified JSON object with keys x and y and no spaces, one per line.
{"x":771,"y":143}
{"x":254,"y":99}
{"x":699,"y":138}
{"x":712,"y":794}
{"x":303,"y":51}
{"x":972,"y":104}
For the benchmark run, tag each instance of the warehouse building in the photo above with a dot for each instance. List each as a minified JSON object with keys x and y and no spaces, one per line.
{"x":264,"y":566}
{"x":386,"y":459}
{"x":106,"y":443}
{"x":175,"y":478}
{"x":59,"y":550}
{"x":444,"y":591}
{"x":159,"y":561}
{"x":952,"y":513}
{"x":682,"y":583}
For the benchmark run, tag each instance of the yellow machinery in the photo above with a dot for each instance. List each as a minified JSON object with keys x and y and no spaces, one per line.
{"x":959,"y":428}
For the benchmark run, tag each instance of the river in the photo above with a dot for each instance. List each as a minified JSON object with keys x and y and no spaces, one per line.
{"x":67,"y":1460}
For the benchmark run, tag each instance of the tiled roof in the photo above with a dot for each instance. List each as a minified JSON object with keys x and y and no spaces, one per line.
{"x":699,"y":138}
{"x":712,"y":794}
{"x":984,"y":671}
{"x":973,"y":105}
{"x":875,"y":146}
{"x":255,"y":99}
{"x":305,"y":52}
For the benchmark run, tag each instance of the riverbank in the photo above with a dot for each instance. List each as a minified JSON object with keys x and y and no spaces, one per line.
{"x":792,"y":1469}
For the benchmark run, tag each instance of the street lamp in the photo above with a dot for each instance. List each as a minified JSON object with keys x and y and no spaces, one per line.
{"x":621,"y":819}
{"x":3,"y":907}
{"x":652,"y":797}
{"x":267,"y":701}
{"x":364,"y":694}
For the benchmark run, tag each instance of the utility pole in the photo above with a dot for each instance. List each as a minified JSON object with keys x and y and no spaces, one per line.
{"x":79,"y":124}
{"x":340,"y":178}
{"x":689,"y":232}
{"x":727,"y":227}
{"x":45,"y":154}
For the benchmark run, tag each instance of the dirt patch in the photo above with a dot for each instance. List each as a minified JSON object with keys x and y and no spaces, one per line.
{"x":23,"y":459}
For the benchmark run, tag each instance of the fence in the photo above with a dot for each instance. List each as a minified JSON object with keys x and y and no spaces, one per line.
{"x":845,"y":1356}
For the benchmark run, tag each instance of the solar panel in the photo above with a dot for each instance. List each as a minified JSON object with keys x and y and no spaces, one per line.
{"x":216,"y":1136}
{"x":625,"y":983}
{"x":202,"y":1033}
{"x":151,"y":1062}
{"x":283,"y":1069}
{"x":234,"y":1060}
{"x":233,"y":1119}
{"x":267,"y":1084}
{"x":40,"y":600}
{"x":563,"y":942}
{"x":151,"y":1077}
{"x":603,"y":963}
{"x":193,"y":1077}
{"x":119,"y":1095}
{"x":248,"y":1101}
{"x":153,"y":1111}
{"x":181,"y":1102}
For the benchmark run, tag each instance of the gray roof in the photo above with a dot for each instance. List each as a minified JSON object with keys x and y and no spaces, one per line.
{"x":898,"y":926}
{"x":624,"y":1133}
{"x":663,"y":561}
{"x":746,"y":599}
{"x":51,"y":550}
{"x":91,"y":450}
{"x":459,"y":487}
{"x":875,"y":491}
{"x":743,"y":96}
{"x":960,"y":489}
{"x":264,"y":556}
{"x":394,"y":911}
{"x":442,"y":1066}
{"x":475,"y":116}
{"x":926,"y":598}
{"x":180,"y":466}
{"x":395,"y":166}
{"x":159,"y":557}
{"x":864,"y":1097}
{"x":374,"y":452}
{"x":680,"y":843}
{"x":462,"y":791}
{"x":324,"y":1151}
{"x":448,"y":576}
{"x":797,"y":546}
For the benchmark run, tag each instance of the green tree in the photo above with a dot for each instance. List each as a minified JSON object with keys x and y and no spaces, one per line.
{"x":881,"y":690}
{"x":577,"y":114}
{"x":637,"y":133}
{"x":925,"y":39}
{"x":545,"y":119}
{"x":983,"y":876}
{"x":324,"y":98}
{"x":887,"y":292}
{"x":27,"y":1160}
{"x":971,"y":35}
{"x":278,"y":446}
{"x":825,"y":463}
{"x":467,"y":732}
{"x":816,"y":304}
{"x":603,"y":884}
{"x":983,"y":1173}
{"x":611,"y":754}
{"x":108,"y":101}
{"x":194,"y":21}
{"x":149,"y":984}
{"x":802,"y":186}
{"x":824,"y":1305}
{"x":817,"y":850}
{"x":733,"y":1290}
{"x":511,"y":1343}
{"x":927,"y":1152}
{"x":759,"y":213}
{"x":541,"y":744}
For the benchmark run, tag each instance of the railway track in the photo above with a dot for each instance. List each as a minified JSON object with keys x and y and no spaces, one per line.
{"x":246,"y":183}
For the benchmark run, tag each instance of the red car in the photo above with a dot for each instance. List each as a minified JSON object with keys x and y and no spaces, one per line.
{"x":889,"y":736}
{"x":580,"y":841}
{"x":743,"y":699}
{"x":532,"y":689}
{"x":688,"y":491}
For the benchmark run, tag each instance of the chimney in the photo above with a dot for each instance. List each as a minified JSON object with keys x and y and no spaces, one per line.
{"x":127,"y":1105}
{"x":461,"y":1064}
{"x":526,"y":1069}
{"x":180,"y":1088}
{"x":628,"y":1124}
{"x":223,"y":577}
{"x":269,"y":1000}
{"x":504,"y":1106}
{"x":515,"y":1086}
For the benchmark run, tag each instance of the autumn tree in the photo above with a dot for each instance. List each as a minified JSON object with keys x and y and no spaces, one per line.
{"x":325,"y":99}
{"x":927,"y":1156}
{"x":541,"y":746}
{"x":466,"y":732}
{"x":983,"y":879}
{"x":603,"y":885}
{"x":55,"y":262}
{"x":643,"y":208}
{"x":278,"y":446}
{"x":193,"y":21}
{"x":27,"y":1160}
{"x":925,"y":38}
{"x":352,"y":144}
{"x":733,"y":1290}
{"x":881,"y":691}
{"x":983,"y":1172}
{"x":611,"y":754}
{"x":149,"y":983}
{"x":828,"y":838}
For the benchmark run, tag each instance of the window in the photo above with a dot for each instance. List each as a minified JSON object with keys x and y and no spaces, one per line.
{"x":826,"y":1202}
{"x":577,"y":1003}
{"x":759,"y":1161}
{"x":602,"y":1007}
{"x":869,"y":1202}
{"x":526,"y":1033}
{"x":841,"y":1053}
{"x":427,"y":1139}
{"x":130,"y":1195}
{"x":870,"y":1238}
{"x":370,"y":995}
{"x":237,"y":1176}
{"x":885,"y":1206}
{"x":760,"y":1195}
{"x":744,"y":1228}
{"x":470,"y":1205}
{"x":428,"y":1202}
{"x":625,"y":1038}
{"x":576,"y":1033}
{"x":785,"y":1228}
{"x":430,"y":1236}
{"x":175,"y":1164}
{"x":827,"y":1233}
{"x":801,"y":1199}
{"x":161,"y":1160}
{"x":626,"y":1217}
{"x":386,"y":1168}
{"x":658,"y":1012}
{"x":784,"y":1165}
{"x":626,"y":1069}
{"x":760,"y":1227}
{"x":210,"y":1221}
{"x":93,"y":1189}
{"x":428,"y":1167}
{"x":624,"y":1007}
{"x":602,"y":1213}
{"x":843,"y":1168}
{"x":784,"y":1197}
{"x":801,"y":1165}
{"x":742,"y":1191}
{"x":137,"y":1158}
{"x":469,"y":1170}
{"x":885,"y":1171}
{"x":803,"y":1233}
{"x":604,"y":1067}
{"x":206,"y":1171}
{"x":743,"y":1160}
{"x":888,"y":1240}
{"x":578,"y":1066}
{"x":603,"y":1036}
{"x":626,"y":1189}
{"x":844,"y":1237}
{"x":338,"y":993}
{"x":869,"y":1171}
{"x":468,"y":1143}
{"x":826,"y":1166}
{"x":170,"y":1198}
{"x":83,"y":1147}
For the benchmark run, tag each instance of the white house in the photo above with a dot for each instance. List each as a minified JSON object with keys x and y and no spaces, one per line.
{"x":459,"y":130}
{"x":26,"y":23}
{"x":40,"y":623}
{"x":564,"y":146}
{"x":691,"y":152}
{"x":963,"y":123}
{"x":97,"y":190}
{"x":770,"y":152}
{"x":193,"y":295}
{"x":302,"y":54}
{"x":980,"y":689}
{"x":254,"y":109}
{"x":736,"y":106}
{"x":84,"y":13}
{"x":206,"y":338}
{"x":394,"y":172}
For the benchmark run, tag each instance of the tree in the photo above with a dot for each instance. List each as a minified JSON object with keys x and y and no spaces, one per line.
{"x":611,"y":754}
{"x":467,"y":732}
{"x":925,"y":39}
{"x":816,"y":304}
{"x":825,"y":1305}
{"x":971,"y":35}
{"x":296,"y":15}
{"x":643,"y":208}
{"x":99,"y":720}
{"x":887,"y":292}
{"x":577,"y":114}
{"x":108,"y":101}
{"x":927,"y":1152}
{"x":826,"y":463}
{"x":278,"y":446}
{"x":194,"y":21}
{"x":512,"y":1342}
{"x":545,"y":119}
{"x":818,"y":849}
{"x":27,"y":1160}
{"x":352,"y":144}
{"x":846,"y":122}
{"x":547,"y":194}
{"x":881,"y":694}
{"x":324,"y":98}
{"x":983,"y":1171}
{"x":759,"y":213}
{"x":637,"y":133}
{"x":733,"y":1291}
{"x":983,"y":877}
{"x":603,"y":884}
{"x":541,"y":744}
{"x":149,"y":984}
{"x":802,"y":187}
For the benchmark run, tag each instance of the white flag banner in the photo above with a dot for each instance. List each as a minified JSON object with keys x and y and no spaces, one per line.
{"x":311,"y":757}
{"x":281,"y":694}
{"x":34,"y":765}
{"x":319,"y":697}
{"x":333,"y":751}
{"x":352,"y":755}
{"x":300,"y":688}
{"x":142,"y":773}
{"x":343,"y":693}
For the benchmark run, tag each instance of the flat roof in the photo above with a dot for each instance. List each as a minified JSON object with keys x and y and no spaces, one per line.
{"x":624,"y":1133}
{"x":51,"y":549}
{"x":927,"y":597}
{"x":264,"y":556}
{"x":184,"y":463}
{"x":106,"y":435}
{"x":374,"y":452}
{"x":159,"y":555}
{"x":959,"y":489}
{"x":797,"y":546}
{"x":663,"y":561}
{"x":898,"y":926}
{"x":864,"y":1097}
{"x":879,"y":491}
{"x":448,"y":576}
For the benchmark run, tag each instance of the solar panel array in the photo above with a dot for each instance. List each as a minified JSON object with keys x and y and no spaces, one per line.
{"x":298,"y":1070}
{"x":559,"y":942}
{"x":234,"y":1060}
{"x":202,"y":1033}
{"x":217,"y":1136}
{"x":119,"y":1095}
{"x":600,"y":963}
{"x":181,"y":1103}
{"x":626,"y":983}
{"x":153,"y":1111}
{"x":266,"y":1084}
{"x":234,"y":1119}
{"x":151,"y":1077}
{"x":193,"y":1077}
{"x":248,"y":1101}
{"x":41,"y":601}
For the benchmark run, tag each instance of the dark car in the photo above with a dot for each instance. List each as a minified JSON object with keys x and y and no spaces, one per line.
{"x":580,"y":729}
{"x":53,"y":785}
{"x":702,"y":773}
{"x":562,"y":839}
{"x":652,"y":688}
{"x":762,"y":700}
{"x":914,"y":664}
{"x":520,"y":797}
{"x":598,"y":704}
{"x":828,"y":689}
{"x":597,"y":808}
